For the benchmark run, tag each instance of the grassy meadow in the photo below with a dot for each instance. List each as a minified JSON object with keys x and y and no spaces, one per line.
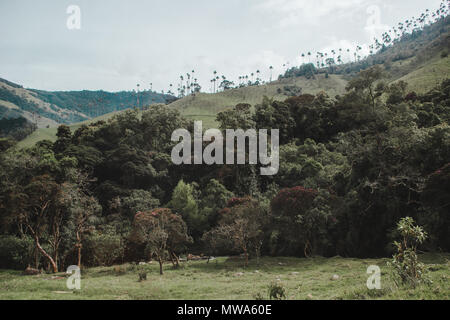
{"x":205,"y":106}
{"x":226,"y":278}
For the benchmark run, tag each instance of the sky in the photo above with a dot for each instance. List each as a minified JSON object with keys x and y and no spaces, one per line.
{"x":122,"y":43}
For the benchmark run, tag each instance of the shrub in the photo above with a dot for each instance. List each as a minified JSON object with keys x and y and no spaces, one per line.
{"x":407,"y":268}
{"x":104,"y":247}
{"x":142,"y":275}
{"x":15,"y":253}
{"x":276,"y":291}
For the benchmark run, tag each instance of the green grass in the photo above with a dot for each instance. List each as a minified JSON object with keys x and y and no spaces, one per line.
{"x":221,"y":279}
{"x":50,"y":133}
{"x":205,"y":106}
{"x":428,"y":75}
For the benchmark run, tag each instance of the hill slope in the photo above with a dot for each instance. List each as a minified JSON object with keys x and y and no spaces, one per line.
{"x":418,"y":59}
{"x":205,"y":106}
{"x":50,"y":133}
{"x":48,"y":109}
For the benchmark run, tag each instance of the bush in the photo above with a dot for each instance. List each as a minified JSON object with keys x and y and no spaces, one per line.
{"x":103,"y":248}
{"x":142,"y":275}
{"x":407,"y":268}
{"x":15,"y":253}
{"x":277,"y":291}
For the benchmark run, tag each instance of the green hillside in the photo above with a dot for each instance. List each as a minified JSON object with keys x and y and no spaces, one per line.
{"x":428,"y":75}
{"x":205,"y":106}
{"x":48,"y":109}
{"x":50,"y":133}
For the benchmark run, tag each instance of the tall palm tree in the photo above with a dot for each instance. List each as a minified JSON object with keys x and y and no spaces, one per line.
{"x":188,"y":82}
{"x":271,"y":68}
{"x":214,"y":80}
{"x":137,"y":94}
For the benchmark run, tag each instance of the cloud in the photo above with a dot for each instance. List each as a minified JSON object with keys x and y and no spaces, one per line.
{"x":295,"y":12}
{"x":374,"y":28}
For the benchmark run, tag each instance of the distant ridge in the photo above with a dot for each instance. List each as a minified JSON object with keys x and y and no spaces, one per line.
{"x":49,"y":109}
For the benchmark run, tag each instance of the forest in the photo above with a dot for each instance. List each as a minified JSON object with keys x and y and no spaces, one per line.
{"x":350,"y":168}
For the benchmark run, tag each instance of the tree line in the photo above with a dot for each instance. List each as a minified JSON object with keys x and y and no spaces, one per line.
{"x":350,"y":168}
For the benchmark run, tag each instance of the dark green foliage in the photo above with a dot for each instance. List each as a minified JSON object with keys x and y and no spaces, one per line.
{"x":275,"y":114}
{"x":364,"y":160}
{"x":276,"y":291}
{"x":435,"y":198}
{"x":240,"y":229}
{"x":306,"y":70}
{"x":16,"y":128}
{"x":104,"y":247}
{"x":15,"y":252}
{"x":301,"y":219}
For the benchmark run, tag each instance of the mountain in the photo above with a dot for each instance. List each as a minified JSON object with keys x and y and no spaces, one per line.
{"x":205,"y":106}
{"x":421,"y":59}
{"x":49,"y":109}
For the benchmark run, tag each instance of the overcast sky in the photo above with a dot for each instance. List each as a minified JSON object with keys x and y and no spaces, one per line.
{"x":122,"y":43}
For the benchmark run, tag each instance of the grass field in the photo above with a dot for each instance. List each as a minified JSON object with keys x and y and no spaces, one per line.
{"x":226,"y":278}
{"x":205,"y":106}
{"x":50,"y":133}
{"x":428,"y":75}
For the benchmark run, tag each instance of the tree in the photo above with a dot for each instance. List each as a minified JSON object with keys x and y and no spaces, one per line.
{"x":226,"y":84}
{"x":214,"y":198}
{"x":84,"y":210}
{"x":37,"y":209}
{"x":240,"y":117}
{"x":64,"y":137}
{"x":185,"y":203}
{"x":301,"y":217}
{"x":405,"y":262}
{"x":240,"y":228}
{"x":162,"y":232}
{"x":137,"y":200}
{"x":365,"y":84}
